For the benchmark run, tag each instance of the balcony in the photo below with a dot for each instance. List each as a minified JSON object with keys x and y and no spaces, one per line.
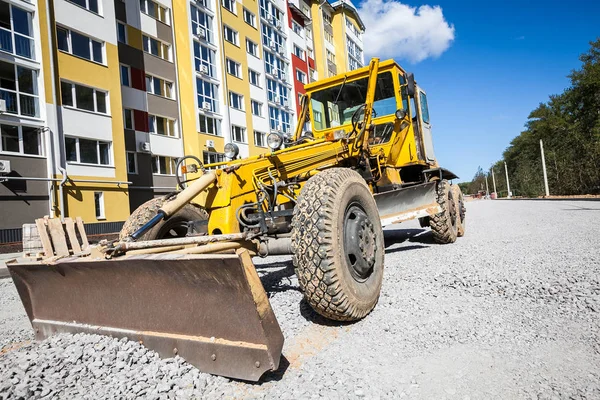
{"x":20,"y":104}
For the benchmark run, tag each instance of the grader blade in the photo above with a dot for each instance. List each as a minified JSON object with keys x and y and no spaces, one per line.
{"x":211,"y":310}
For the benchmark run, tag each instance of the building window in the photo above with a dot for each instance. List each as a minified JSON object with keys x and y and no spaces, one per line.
{"x":20,"y":139}
{"x":230,"y":35}
{"x":19,"y":89}
{"x":311,"y":53}
{"x":87,"y":151}
{"x":260,"y":139}
{"x":161,"y":126}
{"x":254,"y":77}
{"x":204,"y":59}
{"x":155,"y":11}
{"x":251,"y":48}
{"x":207,"y":95}
{"x":80,"y":45}
{"x":157,"y":48}
{"x":159,"y":87}
{"x":298,"y":52}
{"x":229,"y":5}
{"x":308,"y":33}
{"x":236,"y":101}
{"x":326,"y":17}
{"x":128,"y":118}
{"x":131,"y":162}
{"x":83,"y":97}
{"x":201,"y":24}
{"x":163,"y":165}
{"x":210,"y":157}
{"x":249,"y":18}
{"x":238,"y":134}
{"x":329,"y":37}
{"x":16,"y":31}
{"x":90,"y":5}
{"x":125,"y":75}
{"x":274,"y":119}
{"x":209,"y":125}
{"x":99,"y":205}
{"x":256,"y":108}
{"x":330,"y":56}
{"x":301,"y":76}
{"x":233,"y":68}
{"x":296,"y":28}
{"x":121,"y":32}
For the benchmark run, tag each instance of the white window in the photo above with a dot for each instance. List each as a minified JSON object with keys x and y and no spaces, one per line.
{"x":249,"y":18}
{"x":329,"y":37}
{"x":132,"y":162}
{"x":330,"y":56}
{"x":80,"y":45}
{"x":256,"y":108}
{"x":99,"y":205}
{"x":298,"y":52}
{"x":207,"y":95}
{"x":254,"y":77}
{"x":233,"y":68}
{"x":209,"y":125}
{"x":202,"y":26}
{"x":251,"y":47}
{"x":155,"y":10}
{"x":210,"y":157}
{"x":161,"y":125}
{"x":301,"y":76}
{"x":87,"y":151}
{"x":229,"y":5}
{"x":125,"y":75}
{"x":260,"y":139}
{"x":16,"y":32}
{"x":84,"y":97}
{"x":236,"y":101}
{"x":121,"y":32}
{"x":90,"y":5}
{"x":311,"y":53}
{"x":230,"y":35}
{"x":20,"y":139}
{"x":159,"y":87}
{"x":163,"y":165}
{"x":296,"y":28}
{"x":19,"y":89}
{"x":204,"y":59}
{"x":238,"y":134}
{"x":326,"y":17}
{"x":157,"y":48}
{"x":128,"y":119}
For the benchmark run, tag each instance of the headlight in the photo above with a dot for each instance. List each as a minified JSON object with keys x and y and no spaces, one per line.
{"x":274,"y":141}
{"x":231,"y":150}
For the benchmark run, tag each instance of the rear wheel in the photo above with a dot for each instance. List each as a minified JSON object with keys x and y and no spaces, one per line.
{"x":337,"y":245}
{"x":459,"y":203}
{"x":444,"y":224}
{"x":175,"y":226}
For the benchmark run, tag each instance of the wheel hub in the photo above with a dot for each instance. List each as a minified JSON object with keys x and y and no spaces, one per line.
{"x":359,"y":243}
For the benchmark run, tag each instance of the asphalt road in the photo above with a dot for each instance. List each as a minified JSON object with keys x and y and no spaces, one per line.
{"x":511,"y":310}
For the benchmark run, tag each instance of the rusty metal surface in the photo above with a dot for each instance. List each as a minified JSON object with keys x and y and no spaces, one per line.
{"x":211,"y":310}
{"x":148,"y":244}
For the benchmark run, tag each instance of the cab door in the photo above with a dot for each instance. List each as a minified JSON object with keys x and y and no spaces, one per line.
{"x":424,"y":124}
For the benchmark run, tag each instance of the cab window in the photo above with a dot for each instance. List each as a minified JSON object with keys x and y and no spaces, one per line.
{"x":424,"y":109}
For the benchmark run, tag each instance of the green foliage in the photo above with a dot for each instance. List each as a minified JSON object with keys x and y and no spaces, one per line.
{"x":569,"y":125}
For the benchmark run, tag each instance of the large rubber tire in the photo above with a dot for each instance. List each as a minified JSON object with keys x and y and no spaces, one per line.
{"x":444,"y":225}
{"x":175,"y":226}
{"x":459,"y":203}
{"x":337,"y":245}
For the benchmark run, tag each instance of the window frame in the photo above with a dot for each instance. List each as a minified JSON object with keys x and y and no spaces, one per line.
{"x":100,"y":200}
{"x":124,"y":25}
{"x":263,"y":140}
{"x":91,"y":41}
{"x":164,"y":85}
{"x":78,"y":152}
{"x":232,"y":3}
{"x":236,"y":35}
{"x":254,"y":103}
{"x":248,"y":42}
{"x":164,"y":47}
{"x":172,"y":130}
{"x":156,"y":163}
{"x":236,"y":66}
{"x":126,"y":110}
{"x":242,"y":132}
{"x":215,"y":122}
{"x":19,"y":94}
{"x":128,"y":68}
{"x":144,"y":9}
{"x":74,"y":98}
{"x":251,"y":16}
{"x":86,"y":7}
{"x":240,"y":100}
{"x":300,"y":73}
{"x":256,"y":74}
{"x":14,"y":34}
{"x":135,"y":162}
{"x":21,"y":140}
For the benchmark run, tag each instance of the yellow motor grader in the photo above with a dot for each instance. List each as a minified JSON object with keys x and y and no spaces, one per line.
{"x":180,"y":278}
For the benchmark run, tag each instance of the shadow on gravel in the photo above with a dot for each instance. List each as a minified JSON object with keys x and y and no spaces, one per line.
{"x":278,"y":280}
{"x":396,"y":236}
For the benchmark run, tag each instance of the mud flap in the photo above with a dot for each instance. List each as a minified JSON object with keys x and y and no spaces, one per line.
{"x":212,"y":310}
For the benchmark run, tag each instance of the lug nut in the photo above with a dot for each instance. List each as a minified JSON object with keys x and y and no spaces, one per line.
{"x":213,"y":357}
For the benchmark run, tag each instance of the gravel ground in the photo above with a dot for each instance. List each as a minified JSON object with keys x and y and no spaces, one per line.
{"x":509,"y":311}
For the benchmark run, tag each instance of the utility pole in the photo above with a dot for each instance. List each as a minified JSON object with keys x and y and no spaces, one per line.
{"x":544,"y":169}
{"x":507,"y":182}
{"x":494,"y":181}
{"x":487,"y":191}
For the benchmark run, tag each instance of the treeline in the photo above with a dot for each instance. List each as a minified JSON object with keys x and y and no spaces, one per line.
{"x":569,"y":125}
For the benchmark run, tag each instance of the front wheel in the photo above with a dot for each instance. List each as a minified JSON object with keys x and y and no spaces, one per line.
{"x":444,"y":224}
{"x":337,"y":244}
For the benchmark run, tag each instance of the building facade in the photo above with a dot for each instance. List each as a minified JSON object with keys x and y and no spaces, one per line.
{"x":100,"y":98}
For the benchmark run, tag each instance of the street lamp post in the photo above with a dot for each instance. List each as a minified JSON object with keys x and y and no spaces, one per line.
{"x":509,"y":195}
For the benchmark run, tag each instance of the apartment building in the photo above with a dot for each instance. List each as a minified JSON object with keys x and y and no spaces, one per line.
{"x":102,"y":97}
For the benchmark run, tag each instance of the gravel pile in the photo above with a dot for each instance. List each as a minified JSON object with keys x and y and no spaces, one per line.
{"x":512,"y":310}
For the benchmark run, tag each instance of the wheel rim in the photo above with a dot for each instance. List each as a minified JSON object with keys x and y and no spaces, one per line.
{"x":174,"y":230}
{"x":359,"y":243}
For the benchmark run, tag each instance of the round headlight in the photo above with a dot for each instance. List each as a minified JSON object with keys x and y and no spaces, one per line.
{"x":274,"y":141}
{"x":231,"y":150}
{"x":400,"y":113}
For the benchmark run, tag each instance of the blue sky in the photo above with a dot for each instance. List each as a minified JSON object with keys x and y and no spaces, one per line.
{"x":505,"y":58}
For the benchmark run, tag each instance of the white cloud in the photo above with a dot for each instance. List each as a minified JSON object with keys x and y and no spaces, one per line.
{"x":395,"y":30}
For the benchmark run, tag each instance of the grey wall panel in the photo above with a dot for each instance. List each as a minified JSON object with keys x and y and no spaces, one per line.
{"x":159,"y":67}
{"x":161,"y":106}
{"x":164,"y":32}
